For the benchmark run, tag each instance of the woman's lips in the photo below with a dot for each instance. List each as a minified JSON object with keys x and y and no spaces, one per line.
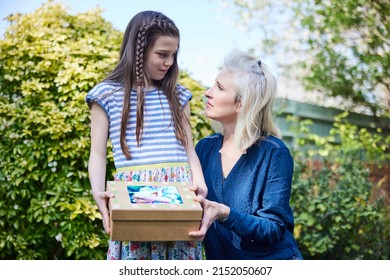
{"x":209,"y":105}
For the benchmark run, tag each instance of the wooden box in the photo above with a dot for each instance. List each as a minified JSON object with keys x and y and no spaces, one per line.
{"x":153,"y":211}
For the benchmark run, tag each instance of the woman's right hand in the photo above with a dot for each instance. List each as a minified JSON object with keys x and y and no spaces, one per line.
{"x":101,"y":199}
{"x":212,"y":211}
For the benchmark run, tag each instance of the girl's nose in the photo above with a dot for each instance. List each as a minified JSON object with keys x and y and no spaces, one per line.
{"x":169,"y":61}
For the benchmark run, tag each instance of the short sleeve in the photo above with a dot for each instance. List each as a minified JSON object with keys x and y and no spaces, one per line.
{"x":184,"y":94}
{"x":101,"y":94}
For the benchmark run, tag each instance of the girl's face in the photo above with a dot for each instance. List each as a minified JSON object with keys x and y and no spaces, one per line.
{"x":221,"y":99}
{"x":161,"y":57}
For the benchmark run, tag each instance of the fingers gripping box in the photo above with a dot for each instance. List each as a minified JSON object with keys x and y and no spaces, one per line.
{"x":153,"y":211}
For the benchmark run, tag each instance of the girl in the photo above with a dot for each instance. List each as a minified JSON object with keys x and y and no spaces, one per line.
{"x":145,"y":114}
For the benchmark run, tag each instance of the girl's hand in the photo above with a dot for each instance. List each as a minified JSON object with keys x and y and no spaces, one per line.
{"x":101,"y":199}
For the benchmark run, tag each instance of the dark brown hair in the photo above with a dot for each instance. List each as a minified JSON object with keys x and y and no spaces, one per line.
{"x":140,"y":36}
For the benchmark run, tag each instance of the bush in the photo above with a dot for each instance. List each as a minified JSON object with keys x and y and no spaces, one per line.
{"x":200,"y":124}
{"x":335,"y":214}
{"x":49,"y":61}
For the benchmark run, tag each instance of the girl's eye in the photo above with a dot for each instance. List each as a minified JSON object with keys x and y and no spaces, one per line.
{"x":162,"y":55}
{"x":219,"y":87}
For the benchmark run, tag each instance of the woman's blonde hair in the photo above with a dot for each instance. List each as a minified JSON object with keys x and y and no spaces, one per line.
{"x":255,"y":88}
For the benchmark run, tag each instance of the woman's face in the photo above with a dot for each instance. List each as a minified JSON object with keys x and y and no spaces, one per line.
{"x":161,"y":57}
{"x":221,"y":99}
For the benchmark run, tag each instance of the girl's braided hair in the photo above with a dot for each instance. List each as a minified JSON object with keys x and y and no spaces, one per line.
{"x":140,"y":36}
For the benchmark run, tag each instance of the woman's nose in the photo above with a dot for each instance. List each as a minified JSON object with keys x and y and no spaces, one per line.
{"x":208,"y":93}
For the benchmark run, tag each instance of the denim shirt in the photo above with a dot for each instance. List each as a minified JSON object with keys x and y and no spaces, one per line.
{"x":257,"y":190}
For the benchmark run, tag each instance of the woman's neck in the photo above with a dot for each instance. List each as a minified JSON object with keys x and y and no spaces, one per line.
{"x":228,"y":132}
{"x":228,"y":143}
{"x":230,"y":153}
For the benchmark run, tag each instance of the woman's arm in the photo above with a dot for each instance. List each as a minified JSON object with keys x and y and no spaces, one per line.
{"x":97,"y":162}
{"x":272,"y":218}
{"x":193,"y":160}
{"x":274,"y":215}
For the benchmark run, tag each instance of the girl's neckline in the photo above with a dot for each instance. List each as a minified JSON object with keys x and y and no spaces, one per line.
{"x":148,"y":90}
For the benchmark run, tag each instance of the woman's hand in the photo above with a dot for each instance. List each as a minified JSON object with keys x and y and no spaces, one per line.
{"x":101,"y":199}
{"x":202,"y":191}
{"x":212,"y":211}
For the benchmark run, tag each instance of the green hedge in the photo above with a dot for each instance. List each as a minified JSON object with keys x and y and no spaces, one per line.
{"x":49,"y":61}
{"x":336,"y":214}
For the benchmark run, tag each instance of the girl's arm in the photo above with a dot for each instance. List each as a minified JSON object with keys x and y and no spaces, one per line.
{"x":193,"y":160}
{"x":97,"y":162}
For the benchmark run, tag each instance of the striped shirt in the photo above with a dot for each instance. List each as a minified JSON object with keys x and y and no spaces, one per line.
{"x":158,"y":143}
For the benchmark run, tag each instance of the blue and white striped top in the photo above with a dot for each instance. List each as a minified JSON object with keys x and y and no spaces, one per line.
{"x":158,"y":142}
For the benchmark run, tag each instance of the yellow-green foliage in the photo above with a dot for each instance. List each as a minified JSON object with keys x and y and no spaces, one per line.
{"x":200,"y":124}
{"x":336,"y":216}
{"x":49,"y":60}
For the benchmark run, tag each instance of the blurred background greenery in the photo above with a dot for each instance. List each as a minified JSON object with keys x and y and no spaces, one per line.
{"x":50,"y":59}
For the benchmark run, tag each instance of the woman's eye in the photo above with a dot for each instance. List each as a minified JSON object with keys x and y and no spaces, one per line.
{"x":219,"y":87}
{"x":162,"y":55}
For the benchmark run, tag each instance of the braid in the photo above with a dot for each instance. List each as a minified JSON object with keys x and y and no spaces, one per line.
{"x":161,"y":22}
{"x":139,"y":53}
{"x":140,"y":36}
{"x":139,"y":73}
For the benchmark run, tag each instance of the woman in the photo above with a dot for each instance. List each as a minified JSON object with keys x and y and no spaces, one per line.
{"x":247,"y":168}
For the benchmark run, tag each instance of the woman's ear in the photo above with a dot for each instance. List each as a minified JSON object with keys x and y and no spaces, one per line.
{"x":238,"y":106}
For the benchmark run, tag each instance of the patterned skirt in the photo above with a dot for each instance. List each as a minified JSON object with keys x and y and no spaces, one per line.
{"x":164,"y":250}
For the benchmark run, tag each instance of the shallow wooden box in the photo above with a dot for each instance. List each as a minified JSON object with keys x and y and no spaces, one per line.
{"x":153,"y":211}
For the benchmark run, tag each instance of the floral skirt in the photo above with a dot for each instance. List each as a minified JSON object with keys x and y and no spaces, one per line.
{"x":164,"y":250}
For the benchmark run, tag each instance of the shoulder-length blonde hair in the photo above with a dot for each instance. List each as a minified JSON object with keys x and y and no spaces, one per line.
{"x":255,"y":88}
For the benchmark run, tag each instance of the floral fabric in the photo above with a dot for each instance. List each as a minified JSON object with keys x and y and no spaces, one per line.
{"x":170,"y":250}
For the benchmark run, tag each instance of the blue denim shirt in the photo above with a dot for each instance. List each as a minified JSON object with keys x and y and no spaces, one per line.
{"x":257,"y":190}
